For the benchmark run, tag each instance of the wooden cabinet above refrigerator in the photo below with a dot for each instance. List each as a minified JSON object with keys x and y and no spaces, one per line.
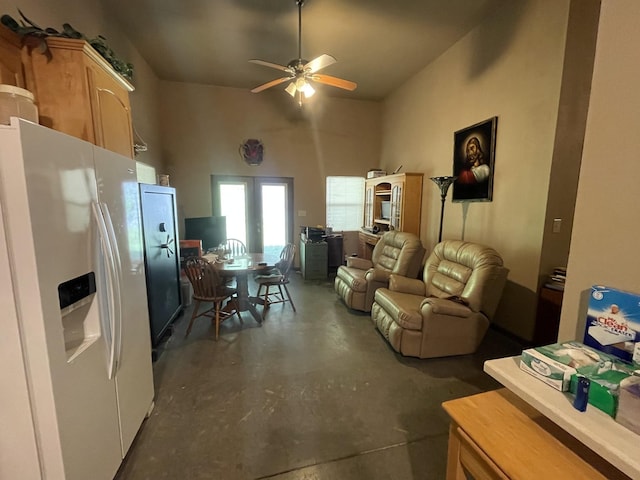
{"x":79,"y":93}
{"x":11,"y":69}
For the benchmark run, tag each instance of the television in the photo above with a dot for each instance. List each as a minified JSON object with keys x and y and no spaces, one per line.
{"x":211,"y":230}
{"x":385,"y":210}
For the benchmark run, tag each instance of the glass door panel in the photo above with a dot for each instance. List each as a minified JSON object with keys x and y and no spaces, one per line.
{"x":274,"y":218}
{"x":259,"y":210}
{"x":368,"y":207}
{"x":396,"y":206}
{"x":233,"y":205}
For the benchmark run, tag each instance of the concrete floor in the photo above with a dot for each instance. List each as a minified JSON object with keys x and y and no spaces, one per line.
{"x":316,"y":394}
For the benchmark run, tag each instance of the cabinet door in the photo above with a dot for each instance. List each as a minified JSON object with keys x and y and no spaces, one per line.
{"x":111,"y":113}
{"x":475,"y":463}
{"x":368,"y":206}
{"x":395,"y":222}
{"x":303,"y":257}
{"x":11,"y":72}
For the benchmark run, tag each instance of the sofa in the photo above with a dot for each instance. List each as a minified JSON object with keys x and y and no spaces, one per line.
{"x":449,"y":310}
{"x":399,"y":253}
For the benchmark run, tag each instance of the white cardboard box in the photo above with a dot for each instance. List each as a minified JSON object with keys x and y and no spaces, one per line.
{"x":376,"y":173}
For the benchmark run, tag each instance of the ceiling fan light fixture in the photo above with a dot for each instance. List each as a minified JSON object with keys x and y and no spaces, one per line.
{"x":308,"y":90}
{"x":291,"y":89}
{"x":304,"y":87}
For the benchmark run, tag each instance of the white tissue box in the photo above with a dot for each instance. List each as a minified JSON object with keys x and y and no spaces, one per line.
{"x":554,"y":364}
{"x":549,"y":371}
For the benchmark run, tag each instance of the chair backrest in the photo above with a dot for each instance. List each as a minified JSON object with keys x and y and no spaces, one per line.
{"x":399,"y":252}
{"x":204,"y":277}
{"x":287,"y":255}
{"x":469,"y":272}
{"x":235,"y":247}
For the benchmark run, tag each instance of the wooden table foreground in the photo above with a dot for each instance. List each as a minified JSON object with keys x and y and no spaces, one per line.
{"x":497,"y":435}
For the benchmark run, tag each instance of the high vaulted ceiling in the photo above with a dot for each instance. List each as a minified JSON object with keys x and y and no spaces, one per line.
{"x":378,"y":44}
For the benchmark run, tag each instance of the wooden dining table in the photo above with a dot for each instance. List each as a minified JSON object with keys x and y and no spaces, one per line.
{"x":239,"y":267}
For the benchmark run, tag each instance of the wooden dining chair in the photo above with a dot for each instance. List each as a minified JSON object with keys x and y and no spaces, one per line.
{"x":234,"y":247}
{"x":208,"y":286}
{"x":277,"y":277}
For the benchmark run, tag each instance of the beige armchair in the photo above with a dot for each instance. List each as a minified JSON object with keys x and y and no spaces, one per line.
{"x":447,"y":313}
{"x":396,"y":252}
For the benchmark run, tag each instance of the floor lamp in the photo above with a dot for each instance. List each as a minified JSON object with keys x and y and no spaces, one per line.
{"x":444,"y":183}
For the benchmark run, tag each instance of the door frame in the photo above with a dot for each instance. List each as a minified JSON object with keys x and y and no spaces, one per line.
{"x":254,"y":204}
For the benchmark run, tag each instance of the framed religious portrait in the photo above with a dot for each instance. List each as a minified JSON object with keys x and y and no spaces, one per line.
{"x":474,"y":161}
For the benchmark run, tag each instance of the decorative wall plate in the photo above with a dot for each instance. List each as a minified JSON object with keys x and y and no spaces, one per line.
{"x":252,"y":151}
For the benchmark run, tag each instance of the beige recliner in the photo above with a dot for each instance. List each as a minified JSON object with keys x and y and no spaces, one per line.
{"x":396,"y":252}
{"x":449,"y":312}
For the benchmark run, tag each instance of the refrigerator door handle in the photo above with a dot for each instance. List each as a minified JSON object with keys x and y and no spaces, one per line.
{"x":117,"y":280}
{"x":110,"y":290}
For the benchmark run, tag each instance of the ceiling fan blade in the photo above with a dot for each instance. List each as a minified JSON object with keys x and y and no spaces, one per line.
{"x":334,"y":81}
{"x":271,"y":65}
{"x":270,"y":84}
{"x":319,"y":63}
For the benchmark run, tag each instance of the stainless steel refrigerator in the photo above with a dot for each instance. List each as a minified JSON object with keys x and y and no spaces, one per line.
{"x":76,"y":380}
{"x":162,"y":257}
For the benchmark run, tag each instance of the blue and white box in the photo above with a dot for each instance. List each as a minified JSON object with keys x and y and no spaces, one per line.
{"x":613,"y":323}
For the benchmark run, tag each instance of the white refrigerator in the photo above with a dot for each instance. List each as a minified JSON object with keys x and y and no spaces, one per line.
{"x":75,"y":350}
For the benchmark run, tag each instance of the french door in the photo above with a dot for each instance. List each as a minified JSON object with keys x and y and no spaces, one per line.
{"x":259,"y":210}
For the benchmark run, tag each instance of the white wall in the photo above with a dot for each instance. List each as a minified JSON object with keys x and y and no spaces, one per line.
{"x":204,"y":127}
{"x":511,"y":67}
{"x":606,"y":229}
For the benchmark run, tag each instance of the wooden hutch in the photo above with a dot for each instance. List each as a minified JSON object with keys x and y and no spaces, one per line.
{"x":391,"y":202}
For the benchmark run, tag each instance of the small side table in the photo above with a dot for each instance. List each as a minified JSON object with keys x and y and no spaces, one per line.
{"x":547,"y":316}
{"x":334,"y":251}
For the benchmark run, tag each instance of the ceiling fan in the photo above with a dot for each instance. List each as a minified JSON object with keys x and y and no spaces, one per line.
{"x":301,"y":73}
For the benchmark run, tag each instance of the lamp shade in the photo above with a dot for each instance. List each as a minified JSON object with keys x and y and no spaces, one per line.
{"x":443,"y":183}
